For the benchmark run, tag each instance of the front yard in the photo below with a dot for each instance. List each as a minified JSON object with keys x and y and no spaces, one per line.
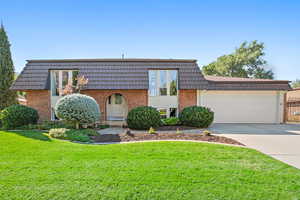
{"x":34,"y":166}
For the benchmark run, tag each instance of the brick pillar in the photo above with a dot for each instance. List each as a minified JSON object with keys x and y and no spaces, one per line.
{"x":187,"y":98}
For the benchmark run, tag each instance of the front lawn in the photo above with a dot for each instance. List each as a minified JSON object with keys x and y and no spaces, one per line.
{"x":34,"y":166}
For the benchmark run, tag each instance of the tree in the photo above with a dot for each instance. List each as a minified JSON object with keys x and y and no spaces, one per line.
{"x":78,"y":108}
{"x":296,"y":83}
{"x":7,"y":96}
{"x":247,"y":62}
{"x":78,"y":84}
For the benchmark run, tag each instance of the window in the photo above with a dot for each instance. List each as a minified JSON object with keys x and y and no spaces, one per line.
{"x":163,"y":82}
{"x":74,"y":77}
{"x":153,"y":83}
{"x":54,"y":84}
{"x":61,"y":78}
{"x":65,"y":79}
{"x":173,"y":82}
{"x":163,"y":113}
{"x":118,"y":99}
{"x":172,"y":112}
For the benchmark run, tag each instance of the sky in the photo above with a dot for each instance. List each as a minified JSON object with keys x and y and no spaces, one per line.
{"x":202,"y":30}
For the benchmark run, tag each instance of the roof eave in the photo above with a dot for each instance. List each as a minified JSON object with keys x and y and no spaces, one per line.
{"x":111,"y":60}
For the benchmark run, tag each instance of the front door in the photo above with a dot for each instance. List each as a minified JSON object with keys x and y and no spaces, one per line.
{"x":116,"y":107}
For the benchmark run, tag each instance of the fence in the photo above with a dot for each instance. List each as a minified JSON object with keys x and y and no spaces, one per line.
{"x":293,"y":110}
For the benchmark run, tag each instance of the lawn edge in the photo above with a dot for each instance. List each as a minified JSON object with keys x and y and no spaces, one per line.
{"x":141,"y":141}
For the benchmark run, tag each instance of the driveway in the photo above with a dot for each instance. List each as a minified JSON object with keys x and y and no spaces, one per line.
{"x":281,"y":141}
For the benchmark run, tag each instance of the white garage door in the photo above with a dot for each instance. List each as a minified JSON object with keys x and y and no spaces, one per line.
{"x":243,"y":106}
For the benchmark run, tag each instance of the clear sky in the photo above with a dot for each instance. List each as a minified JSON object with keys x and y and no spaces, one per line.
{"x":153,"y":29}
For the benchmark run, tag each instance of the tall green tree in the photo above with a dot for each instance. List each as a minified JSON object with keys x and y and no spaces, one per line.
{"x":246,"y":61}
{"x":7,"y":96}
{"x":296,"y":83}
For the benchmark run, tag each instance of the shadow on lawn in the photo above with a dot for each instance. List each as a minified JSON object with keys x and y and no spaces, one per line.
{"x":37,"y":135}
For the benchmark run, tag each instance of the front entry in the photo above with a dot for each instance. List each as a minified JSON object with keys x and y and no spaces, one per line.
{"x":116,"y":108}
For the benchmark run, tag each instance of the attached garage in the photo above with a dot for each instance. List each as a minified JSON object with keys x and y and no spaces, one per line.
{"x":244,"y":106}
{"x":244,"y":100}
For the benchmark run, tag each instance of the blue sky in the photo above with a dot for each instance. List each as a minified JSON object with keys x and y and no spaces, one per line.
{"x":153,"y":29}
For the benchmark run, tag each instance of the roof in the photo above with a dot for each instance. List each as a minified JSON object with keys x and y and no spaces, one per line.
{"x":235,"y":83}
{"x":113,"y":60}
{"x":110,"y":73}
{"x":238,"y":79}
{"x":132,"y":73}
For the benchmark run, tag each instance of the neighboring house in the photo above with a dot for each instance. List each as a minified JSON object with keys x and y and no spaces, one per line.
{"x":293,"y":94}
{"x":293,"y":105}
{"x":118,"y":85}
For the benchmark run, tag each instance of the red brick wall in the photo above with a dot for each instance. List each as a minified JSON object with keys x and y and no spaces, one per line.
{"x":133,"y":98}
{"x":187,"y":98}
{"x":40,"y":100}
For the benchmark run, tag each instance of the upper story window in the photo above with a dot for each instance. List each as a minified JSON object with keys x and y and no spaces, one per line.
{"x":60,"y":79}
{"x":163,"y":82}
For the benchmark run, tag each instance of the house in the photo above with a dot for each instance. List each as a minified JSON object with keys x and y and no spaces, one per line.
{"x":293,"y":95}
{"x":293,"y":105}
{"x":118,"y":85}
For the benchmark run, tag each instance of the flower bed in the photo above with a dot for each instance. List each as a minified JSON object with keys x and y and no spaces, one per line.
{"x":162,"y":136}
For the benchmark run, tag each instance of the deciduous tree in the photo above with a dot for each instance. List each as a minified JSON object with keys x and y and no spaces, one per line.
{"x":247,"y":61}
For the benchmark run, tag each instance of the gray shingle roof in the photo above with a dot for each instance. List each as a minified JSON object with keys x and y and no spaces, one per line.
{"x":110,"y":73}
{"x":133,"y":74}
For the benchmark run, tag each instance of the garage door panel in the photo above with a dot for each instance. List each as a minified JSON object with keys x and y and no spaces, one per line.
{"x":242,"y":108}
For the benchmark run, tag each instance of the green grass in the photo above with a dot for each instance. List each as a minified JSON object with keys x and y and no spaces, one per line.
{"x":34,"y":166}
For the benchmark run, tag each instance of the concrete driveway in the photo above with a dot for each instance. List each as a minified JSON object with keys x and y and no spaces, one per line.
{"x":281,"y":141}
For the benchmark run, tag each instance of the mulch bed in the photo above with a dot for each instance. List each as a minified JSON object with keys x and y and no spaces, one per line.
{"x":163,"y":136}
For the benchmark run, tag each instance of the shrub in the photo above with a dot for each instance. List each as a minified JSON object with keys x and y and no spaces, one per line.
{"x":143,"y":118}
{"x":102,"y":126}
{"x":60,"y":133}
{"x":78,"y":109}
{"x":196,"y":116}
{"x":206,"y":133}
{"x":172,"y":121}
{"x":89,"y":132}
{"x":72,"y":134}
{"x":151,"y":131}
{"x":78,"y":135}
{"x":18,"y":115}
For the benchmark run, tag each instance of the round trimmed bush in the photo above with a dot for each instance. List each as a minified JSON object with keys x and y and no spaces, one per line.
{"x":18,"y":115}
{"x":77,"y":108}
{"x":196,"y":116}
{"x":143,"y":117}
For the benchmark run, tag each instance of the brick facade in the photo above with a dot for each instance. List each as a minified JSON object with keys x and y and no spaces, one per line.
{"x":133,"y":98}
{"x":187,"y":98}
{"x":40,"y":100}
